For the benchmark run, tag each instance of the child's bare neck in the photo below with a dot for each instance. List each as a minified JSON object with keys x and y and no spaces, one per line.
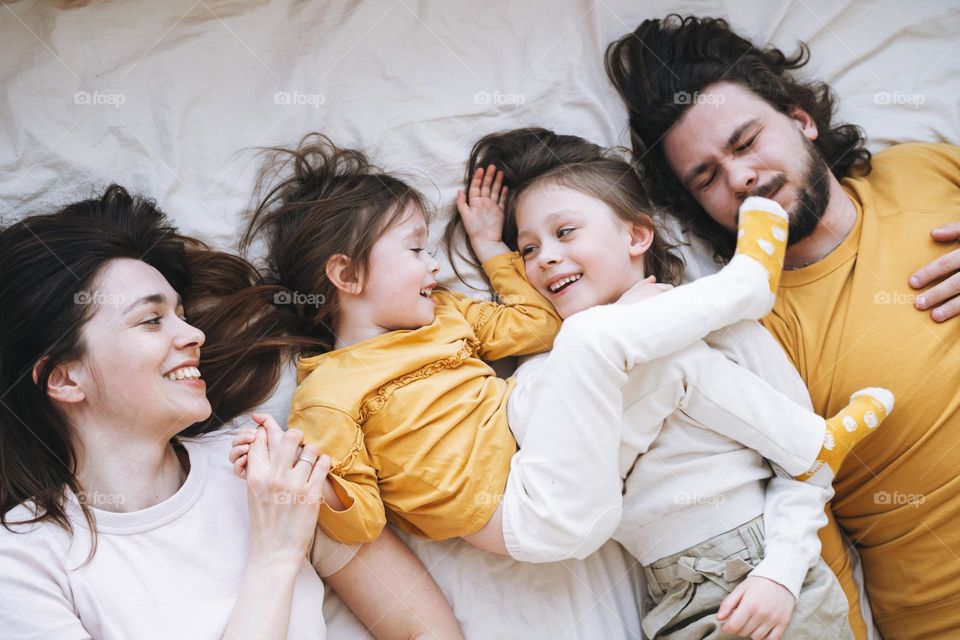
{"x":351,"y":328}
{"x":354,"y":334}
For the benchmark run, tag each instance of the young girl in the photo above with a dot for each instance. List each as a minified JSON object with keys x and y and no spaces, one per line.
{"x":398,"y":395}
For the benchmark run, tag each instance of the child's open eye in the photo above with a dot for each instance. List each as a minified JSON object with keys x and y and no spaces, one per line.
{"x":526,"y":251}
{"x":564,"y":231}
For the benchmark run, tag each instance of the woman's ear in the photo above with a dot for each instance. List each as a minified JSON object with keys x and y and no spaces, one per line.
{"x":343,"y":274}
{"x":62,"y":385}
{"x":641,"y":237}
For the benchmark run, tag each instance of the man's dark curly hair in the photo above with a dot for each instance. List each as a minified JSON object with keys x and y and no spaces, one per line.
{"x":681,"y":56}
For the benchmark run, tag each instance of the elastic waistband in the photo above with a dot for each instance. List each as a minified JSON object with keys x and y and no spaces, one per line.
{"x":668,"y":571}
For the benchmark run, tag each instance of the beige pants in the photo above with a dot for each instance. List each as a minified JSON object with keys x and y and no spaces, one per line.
{"x":684,"y":591}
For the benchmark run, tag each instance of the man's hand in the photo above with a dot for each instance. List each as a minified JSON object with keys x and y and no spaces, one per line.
{"x":758,"y":608}
{"x":944,"y":298}
{"x":646,"y":288}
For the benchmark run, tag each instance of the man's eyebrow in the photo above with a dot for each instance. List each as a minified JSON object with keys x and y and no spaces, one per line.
{"x":153,"y":298}
{"x":738,"y":132}
{"x":731,"y":141}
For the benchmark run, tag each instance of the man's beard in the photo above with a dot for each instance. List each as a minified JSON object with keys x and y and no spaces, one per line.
{"x":813,"y":194}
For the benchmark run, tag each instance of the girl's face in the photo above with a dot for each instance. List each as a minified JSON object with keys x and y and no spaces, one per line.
{"x":401,"y":275}
{"x":576,"y":251}
{"x":141,"y":358}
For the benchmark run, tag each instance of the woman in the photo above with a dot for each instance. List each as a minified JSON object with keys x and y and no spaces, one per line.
{"x":116,"y":523}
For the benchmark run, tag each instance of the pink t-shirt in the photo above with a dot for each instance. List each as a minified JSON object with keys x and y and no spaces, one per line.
{"x":170,"y":571}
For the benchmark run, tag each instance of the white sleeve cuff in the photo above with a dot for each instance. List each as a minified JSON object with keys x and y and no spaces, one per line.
{"x":784,"y":565}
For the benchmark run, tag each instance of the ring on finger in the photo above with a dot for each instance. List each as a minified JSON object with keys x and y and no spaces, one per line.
{"x":307,"y":459}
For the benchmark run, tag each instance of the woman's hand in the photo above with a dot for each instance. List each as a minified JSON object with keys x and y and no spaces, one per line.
{"x":284,"y":490}
{"x":482,"y":212}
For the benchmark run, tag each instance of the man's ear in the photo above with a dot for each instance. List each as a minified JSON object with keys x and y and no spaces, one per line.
{"x":804,"y":122}
{"x":62,"y":385}
{"x":344,"y":275}
{"x":641,"y":237}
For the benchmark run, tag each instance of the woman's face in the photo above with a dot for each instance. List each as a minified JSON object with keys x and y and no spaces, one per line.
{"x":141,"y":356}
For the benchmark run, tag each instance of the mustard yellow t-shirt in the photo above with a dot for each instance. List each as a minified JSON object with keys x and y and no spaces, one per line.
{"x":415,"y":421}
{"x":848,"y":321}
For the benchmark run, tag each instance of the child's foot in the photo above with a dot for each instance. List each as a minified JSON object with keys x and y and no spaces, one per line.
{"x":763,"y":228}
{"x":867,"y":409}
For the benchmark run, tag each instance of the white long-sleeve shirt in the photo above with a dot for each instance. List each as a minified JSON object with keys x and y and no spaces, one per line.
{"x":616,"y":448}
{"x":683,"y":483}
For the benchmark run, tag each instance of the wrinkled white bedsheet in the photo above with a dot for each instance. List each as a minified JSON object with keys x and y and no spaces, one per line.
{"x":168,"y":99}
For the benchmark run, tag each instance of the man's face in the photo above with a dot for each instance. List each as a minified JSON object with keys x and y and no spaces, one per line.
{"x":732,"y":144}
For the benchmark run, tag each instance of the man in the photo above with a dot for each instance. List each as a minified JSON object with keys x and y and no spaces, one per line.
{"x":715,"y":119}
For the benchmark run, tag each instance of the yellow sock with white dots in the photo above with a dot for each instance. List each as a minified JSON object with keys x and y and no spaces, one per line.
{"x":867,"y":409}
{"x":762,"y":232}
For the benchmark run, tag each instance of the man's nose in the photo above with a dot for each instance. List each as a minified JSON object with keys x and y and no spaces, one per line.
{"x":741,"y":179}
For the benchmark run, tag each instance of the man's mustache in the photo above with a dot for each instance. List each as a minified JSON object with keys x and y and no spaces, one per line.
{"x":770,"y":187}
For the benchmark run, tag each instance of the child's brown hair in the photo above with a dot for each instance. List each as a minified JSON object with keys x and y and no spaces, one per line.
{"x":533,"y":156}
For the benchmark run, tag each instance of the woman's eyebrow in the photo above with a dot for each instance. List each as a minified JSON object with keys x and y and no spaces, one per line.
{"x":153,"y":298}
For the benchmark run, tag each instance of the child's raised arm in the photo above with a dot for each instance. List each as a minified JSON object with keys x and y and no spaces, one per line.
{"x":520,"y":321}
{"x":482,"y":213}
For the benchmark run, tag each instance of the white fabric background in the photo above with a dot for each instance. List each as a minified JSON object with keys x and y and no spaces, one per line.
{"x":168,"y":99}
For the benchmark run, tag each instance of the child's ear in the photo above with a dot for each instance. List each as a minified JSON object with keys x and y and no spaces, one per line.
{"x":343,"y":274}
{"x":62,"y":384}
{"x":641,"y":237}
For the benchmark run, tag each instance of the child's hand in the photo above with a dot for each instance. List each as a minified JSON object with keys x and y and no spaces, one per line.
{"x":482,"y":213}
{"x":757,"y":608}
{"x":241,"y":444}
{"x":646,"y":288}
